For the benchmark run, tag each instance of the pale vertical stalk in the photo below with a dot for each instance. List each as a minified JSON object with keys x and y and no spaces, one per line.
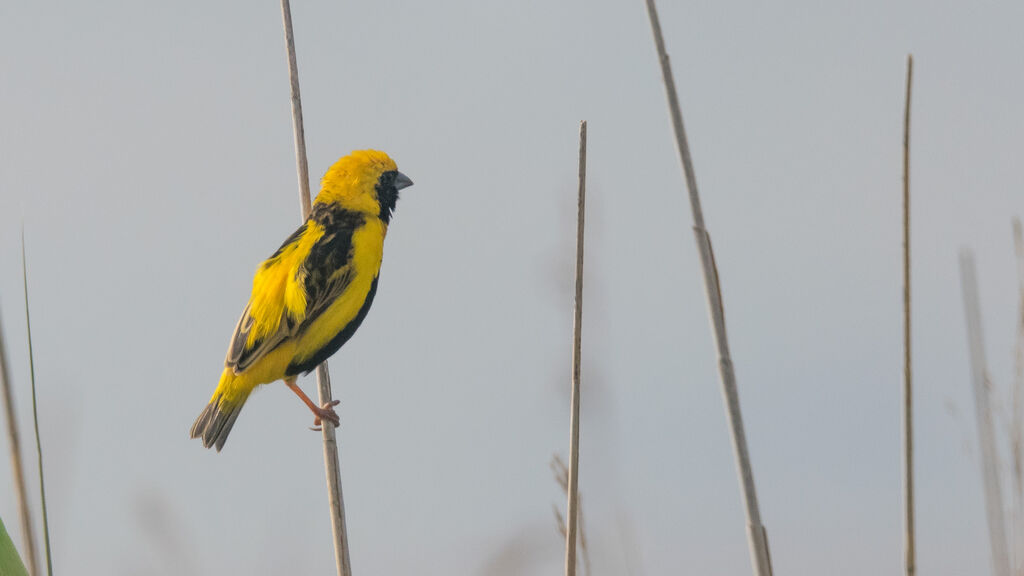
{"x":756,"y":534}
{"x":1017,"y":425}
{"x":908,"y":406}
{"x":298,"y":131}
{"x":572,"y":509}
{"x":28,"y":536}
{"x":983,"y":413}
{"x":323,"y":380}
{"x":35,"y":412}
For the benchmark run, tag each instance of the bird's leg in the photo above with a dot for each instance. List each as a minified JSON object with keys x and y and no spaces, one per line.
{"x":325,"y":412}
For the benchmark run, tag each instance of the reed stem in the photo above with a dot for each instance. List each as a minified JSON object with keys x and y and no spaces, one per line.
{"x":331,"y":464}
{"x":983,"y":413}
{"x":909,"y":549}
{"x":572,"y":511}
{"x":756,"y":534}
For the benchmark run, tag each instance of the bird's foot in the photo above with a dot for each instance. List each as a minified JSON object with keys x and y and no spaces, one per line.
{"x":325,"y":412}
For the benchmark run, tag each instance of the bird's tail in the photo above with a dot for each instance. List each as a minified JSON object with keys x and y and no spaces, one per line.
{"x":215,"y":421}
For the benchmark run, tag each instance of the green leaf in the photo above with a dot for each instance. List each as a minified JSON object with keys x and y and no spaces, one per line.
{"x":10,"y":562}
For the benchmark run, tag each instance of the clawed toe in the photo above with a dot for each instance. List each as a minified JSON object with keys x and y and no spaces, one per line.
{"x":326,"y":412}
{"x":321,"y":413}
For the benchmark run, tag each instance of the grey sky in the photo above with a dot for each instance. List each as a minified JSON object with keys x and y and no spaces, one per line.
{"x":147,"y":148}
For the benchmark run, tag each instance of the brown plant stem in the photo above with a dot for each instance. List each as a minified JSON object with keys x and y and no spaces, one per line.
{"x":910,"y":563}
{"x":756,"y":534}
{"x":323,"y":379}
{"x":572,"y":511}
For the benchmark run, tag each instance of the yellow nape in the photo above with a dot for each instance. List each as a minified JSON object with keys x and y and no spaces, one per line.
{"x":351,"y":181}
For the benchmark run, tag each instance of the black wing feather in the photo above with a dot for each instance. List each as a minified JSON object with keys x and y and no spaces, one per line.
{"x":325,"y":275}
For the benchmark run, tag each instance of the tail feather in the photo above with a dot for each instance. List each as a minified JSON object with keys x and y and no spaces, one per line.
{"x":215,"y":421}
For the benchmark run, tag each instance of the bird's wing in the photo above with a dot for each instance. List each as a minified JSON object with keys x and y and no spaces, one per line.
{"x":292,"y":289}
{"x":241,"y":354}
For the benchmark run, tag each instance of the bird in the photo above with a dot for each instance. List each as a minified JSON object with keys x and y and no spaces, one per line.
{"x":312,"y":294}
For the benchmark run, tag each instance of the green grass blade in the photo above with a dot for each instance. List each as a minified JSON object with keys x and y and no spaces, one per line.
{"x":35,"y":411}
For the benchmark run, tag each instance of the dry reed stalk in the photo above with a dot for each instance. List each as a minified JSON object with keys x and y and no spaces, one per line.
{"x":756,"y":534}
{"x":908,"y":406}
{"x":35,"y":412}
{"x":572,"y":511}
{"x":28,"y":536}
{"x":323,"y":379}
{"x":983,"y":412}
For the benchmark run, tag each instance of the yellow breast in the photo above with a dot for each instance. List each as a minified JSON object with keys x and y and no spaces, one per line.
{"x":367,"y":252}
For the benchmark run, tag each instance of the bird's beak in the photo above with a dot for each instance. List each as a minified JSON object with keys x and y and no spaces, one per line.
{"x":402,"y":181}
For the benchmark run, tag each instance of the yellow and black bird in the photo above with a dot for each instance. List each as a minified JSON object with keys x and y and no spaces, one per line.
{"x":311,"y":295}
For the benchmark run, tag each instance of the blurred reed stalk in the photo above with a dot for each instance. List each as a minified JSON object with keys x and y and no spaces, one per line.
{"x":35,"y":411}
{"x":983,"y":412}
{"x":909,"y":548}
{"x":28,"y":536}
{"x":572,"y":509}
{"x":1017,"y":398}
{"x":323,"y":378}
{"x":561,"y":472}
{"x":756,"y":534}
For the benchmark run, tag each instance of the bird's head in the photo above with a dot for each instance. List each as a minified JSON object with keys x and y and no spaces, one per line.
{"x":365,"y":181}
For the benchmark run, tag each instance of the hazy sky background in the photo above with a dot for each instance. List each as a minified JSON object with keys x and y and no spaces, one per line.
{"x":147,"y":147}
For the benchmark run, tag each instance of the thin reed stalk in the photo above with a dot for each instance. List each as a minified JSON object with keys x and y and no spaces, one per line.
{"x":35,"y":411}
{"x":909,"y":552}
{"x":323,"y":379}
{"x":572,"y":509}
{"x":21,"y":491}
{"x":983,"y":412}
{"x":756,"y":533}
